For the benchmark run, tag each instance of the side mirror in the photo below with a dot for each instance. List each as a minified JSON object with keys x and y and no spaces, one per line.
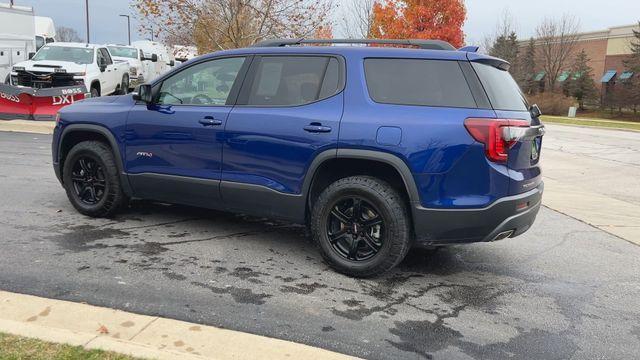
{"x":144,"y":94}
{"x":154,"y":57}
{"x":31,"y":55}
{"x":534,"y":110}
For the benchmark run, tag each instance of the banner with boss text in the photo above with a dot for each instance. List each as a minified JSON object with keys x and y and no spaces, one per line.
{"x":18,"y":102}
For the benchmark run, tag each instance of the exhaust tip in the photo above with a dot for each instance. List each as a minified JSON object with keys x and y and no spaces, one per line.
{"x":503,"y":235}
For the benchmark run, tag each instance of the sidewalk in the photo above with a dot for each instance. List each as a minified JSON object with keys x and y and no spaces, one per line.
{"x":614,"y":216}
{"x":139,"y":335}
{"x":30,"y":126}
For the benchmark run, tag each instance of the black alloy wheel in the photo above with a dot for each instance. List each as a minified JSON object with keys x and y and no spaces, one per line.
{"x":362,"y":226}
{"x":89,"y":180}
{"x":355,"y":229}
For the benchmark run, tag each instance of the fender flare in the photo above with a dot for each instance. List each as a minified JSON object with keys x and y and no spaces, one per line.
{"x":115,"y":149}
{"x":379,"y":156}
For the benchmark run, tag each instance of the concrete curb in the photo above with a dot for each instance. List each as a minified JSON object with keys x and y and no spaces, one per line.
{"x":28,"y":126}
{"x":138,"y":335}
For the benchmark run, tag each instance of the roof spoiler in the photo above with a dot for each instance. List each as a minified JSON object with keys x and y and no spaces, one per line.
{"x":470,"y":48}
{"x":422,"y":44}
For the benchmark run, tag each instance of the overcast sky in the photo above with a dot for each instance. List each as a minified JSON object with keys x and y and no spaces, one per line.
{"x":107,"y":27}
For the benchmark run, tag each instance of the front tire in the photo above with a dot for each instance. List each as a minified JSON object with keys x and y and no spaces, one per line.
{"x":124,"y":85}
{"x":92,"y":181}
{"x":95,"y":92}
{"x":362,"y":226}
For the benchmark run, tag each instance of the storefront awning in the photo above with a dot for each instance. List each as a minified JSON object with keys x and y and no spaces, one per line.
{"x":564,"y":76}
{"x":539,"y":76}
{"x":626,"y":75}
{"x":608,"y":76}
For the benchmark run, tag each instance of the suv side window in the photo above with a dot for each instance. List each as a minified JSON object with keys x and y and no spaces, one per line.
{"x":293,"y":80}
{"x":418,"y":82}
{"x":206,"y":84}
{"x":106,"y":56}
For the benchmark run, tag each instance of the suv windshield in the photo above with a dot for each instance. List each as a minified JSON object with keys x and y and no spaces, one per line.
{"x":502,"y":90}
{"x":122,"y":51}
{"x":78,"y":55}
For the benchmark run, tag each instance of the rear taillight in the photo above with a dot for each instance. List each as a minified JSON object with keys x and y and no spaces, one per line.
{"x":491,"y":132}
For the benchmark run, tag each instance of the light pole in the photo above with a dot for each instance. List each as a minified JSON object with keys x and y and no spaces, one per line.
{"x":87,"y":9}
{"x":128,"y":26}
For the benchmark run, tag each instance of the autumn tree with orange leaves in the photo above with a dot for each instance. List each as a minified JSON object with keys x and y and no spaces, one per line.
{"x":419,"y":19}
{"x":213,"y":25}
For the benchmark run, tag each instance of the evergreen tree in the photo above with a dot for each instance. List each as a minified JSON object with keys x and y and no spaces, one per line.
{"x":527,"y":69}
{"x":506,"y":47}
{"x":631,"y":87}
{"x":581,"y":84}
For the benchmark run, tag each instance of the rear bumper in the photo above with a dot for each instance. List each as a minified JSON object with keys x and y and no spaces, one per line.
{"x":507,"y":217}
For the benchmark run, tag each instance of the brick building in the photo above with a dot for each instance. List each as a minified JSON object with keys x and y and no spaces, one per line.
{"x":606,"y":49}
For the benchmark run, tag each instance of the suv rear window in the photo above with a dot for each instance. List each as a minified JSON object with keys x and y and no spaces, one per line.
{"x":502,"y":90}
{"x":418,"y":82}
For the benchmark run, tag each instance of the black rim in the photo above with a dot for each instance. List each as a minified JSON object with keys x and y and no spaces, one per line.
{"x":88,"y":180}
{"x":355,"y":229}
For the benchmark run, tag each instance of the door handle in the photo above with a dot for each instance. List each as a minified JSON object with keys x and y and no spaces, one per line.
{"x":317,"y":128}
{"x":210,"y":121}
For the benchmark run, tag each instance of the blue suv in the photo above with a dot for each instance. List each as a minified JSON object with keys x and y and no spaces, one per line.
{"x":377,"y":149}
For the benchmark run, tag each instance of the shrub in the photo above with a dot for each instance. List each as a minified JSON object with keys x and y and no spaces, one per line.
{"x":552,"y":103}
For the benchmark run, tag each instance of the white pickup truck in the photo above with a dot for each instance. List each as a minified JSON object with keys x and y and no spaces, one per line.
{"x":139,"y":63}
{"x":70,"y":64}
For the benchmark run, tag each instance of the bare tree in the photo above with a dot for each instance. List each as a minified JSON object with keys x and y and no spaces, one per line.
{"x":67,"y":34}
{"x":214,"y":25}
{"x":556,"y":40}
{"x":505,"y":26}
{"x":357,"y":19}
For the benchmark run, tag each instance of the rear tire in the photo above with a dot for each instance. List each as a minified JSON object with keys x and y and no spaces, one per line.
{"x":92,"y":181}
{"x":341,"y":226}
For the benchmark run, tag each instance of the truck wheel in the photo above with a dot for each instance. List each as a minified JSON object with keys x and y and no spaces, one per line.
{"x":92,"y":181}
{"x":95,"y":92}
{"x":124,"y":85}
{"x":361,"y":225}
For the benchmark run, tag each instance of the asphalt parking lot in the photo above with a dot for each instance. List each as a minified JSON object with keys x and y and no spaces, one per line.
{"x":562,"y":290}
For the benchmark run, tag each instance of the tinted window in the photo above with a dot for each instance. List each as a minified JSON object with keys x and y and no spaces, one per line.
{"x":207,"y":83}
{"x":290,"y":81}
{"x":106,"y":56}
{"x":502,"y":90}
{"x":417,"y":82}
{"x":39,"y":42}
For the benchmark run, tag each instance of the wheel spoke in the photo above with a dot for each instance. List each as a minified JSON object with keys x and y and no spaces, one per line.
{"x":353,"y":249}
{"x":357,"y":209}
{"x":340,"y":215}
{"x":334,"y":237}
{"x":92,"y":192}
{"x":78,"y":178}
{"x":370,"y":242}
{"x":367,"y":224}
{"x":84,"y":166}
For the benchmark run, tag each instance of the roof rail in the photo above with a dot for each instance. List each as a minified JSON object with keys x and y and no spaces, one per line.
{"x":422,"y":44}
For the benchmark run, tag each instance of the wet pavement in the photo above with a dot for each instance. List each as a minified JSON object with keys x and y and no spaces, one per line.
{"x":563,"y":290}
